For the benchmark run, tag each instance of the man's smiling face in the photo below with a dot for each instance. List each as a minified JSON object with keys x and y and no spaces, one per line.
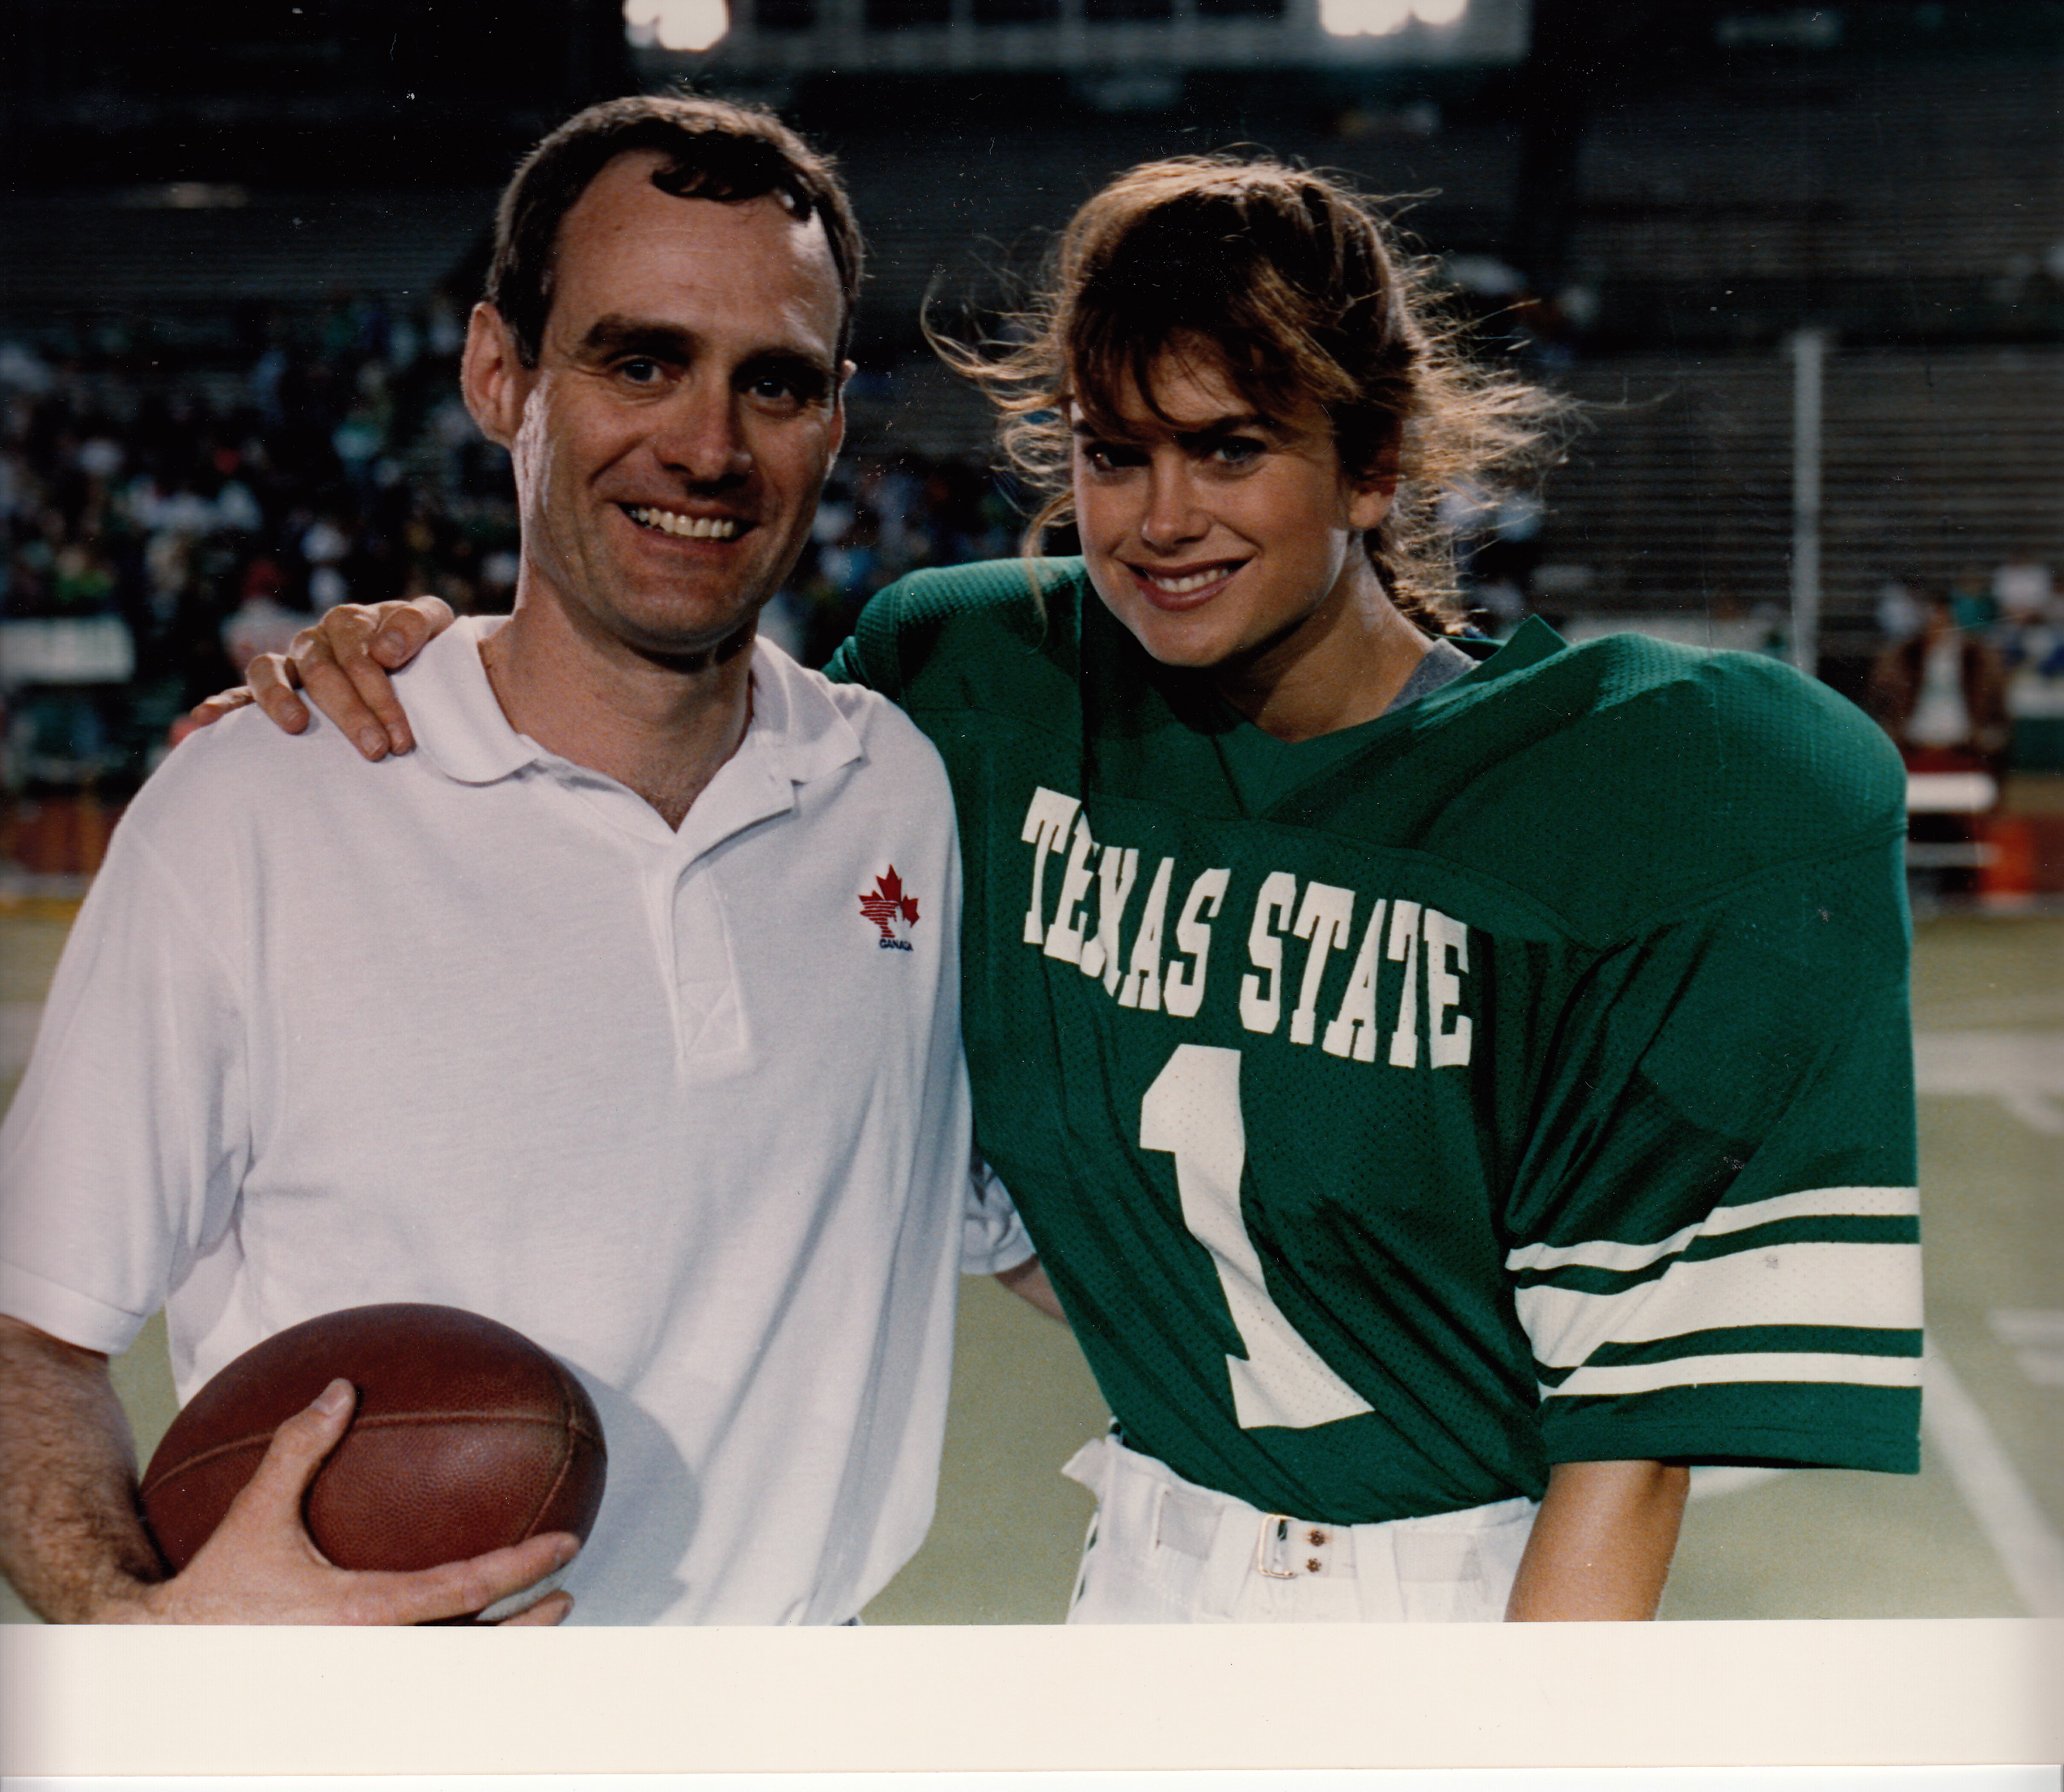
{"x":671,"y":442}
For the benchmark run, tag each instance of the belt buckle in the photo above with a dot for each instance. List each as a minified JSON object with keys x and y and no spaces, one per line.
{"x":1280,"y":1524}
{"x":1276,"y":1542}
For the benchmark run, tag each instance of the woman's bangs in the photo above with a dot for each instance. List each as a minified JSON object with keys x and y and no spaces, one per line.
{"x":1113,"y":357}
{"x":1109,"y":360}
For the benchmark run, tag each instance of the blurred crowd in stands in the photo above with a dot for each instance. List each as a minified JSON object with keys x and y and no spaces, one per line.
{"x":880,"y":518}
{"x":166,"y":514}
{"x":169,"y":512}
{"x":162,"y":508}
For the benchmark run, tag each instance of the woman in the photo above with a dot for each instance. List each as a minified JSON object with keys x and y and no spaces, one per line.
{"x":1451,"y":1087}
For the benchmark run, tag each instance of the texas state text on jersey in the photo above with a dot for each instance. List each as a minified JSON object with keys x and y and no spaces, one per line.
{"x":1521,"y":1077}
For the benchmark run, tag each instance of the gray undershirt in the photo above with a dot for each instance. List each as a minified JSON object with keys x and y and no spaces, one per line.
{"x":1443,"y":663}
{"x":1262,"y":768}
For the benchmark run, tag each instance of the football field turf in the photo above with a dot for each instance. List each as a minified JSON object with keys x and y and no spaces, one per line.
{"x":1976,"y":1534}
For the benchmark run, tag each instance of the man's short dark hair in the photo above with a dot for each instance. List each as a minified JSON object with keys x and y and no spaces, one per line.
{"x":714,"y":150}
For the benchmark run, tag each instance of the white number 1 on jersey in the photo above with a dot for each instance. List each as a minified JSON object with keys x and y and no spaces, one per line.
{"x":1193,"y":1109}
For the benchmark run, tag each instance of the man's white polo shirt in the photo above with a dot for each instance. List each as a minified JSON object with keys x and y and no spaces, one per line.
{"x":475,"y":1026}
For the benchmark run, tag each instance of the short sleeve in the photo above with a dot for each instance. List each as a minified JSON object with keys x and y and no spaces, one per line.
{"x":1713,"y":1240}
{"x":868,"y":656}
{"x":127,"y":1139}
{"x":843,"y":667}
{"x":993,"y":1237}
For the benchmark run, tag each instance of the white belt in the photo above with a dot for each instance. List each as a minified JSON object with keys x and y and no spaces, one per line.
{"x":1142,"y":1503}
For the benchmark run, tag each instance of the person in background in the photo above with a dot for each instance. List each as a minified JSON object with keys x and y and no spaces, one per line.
{"x":1941,"y":694}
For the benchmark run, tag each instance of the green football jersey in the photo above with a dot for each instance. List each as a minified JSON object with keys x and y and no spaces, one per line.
{"x":1524,"y":1076}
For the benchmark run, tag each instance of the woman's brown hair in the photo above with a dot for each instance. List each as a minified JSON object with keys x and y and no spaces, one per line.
{"x":1291,"y":283}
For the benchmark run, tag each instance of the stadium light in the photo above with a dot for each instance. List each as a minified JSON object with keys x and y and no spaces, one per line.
{"x":676,"y":24}
{"x":1363,"y":18}
{"x":1380,"y":18}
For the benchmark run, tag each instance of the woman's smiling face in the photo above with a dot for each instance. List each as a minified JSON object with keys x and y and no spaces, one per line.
{"x":1213,"y":533}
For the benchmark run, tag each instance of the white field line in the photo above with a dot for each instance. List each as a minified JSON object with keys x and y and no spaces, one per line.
{"x":2035,"y":1336}
{"x":1709,"y":1483}
{"x":2018,"y":1529}
{"x":2023,"y":1071}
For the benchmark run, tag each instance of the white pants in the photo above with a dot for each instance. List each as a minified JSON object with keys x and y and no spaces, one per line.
{"x":1163,"y":1550}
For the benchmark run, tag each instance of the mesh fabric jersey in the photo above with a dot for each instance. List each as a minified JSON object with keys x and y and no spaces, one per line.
{"x":1522,"y":1077}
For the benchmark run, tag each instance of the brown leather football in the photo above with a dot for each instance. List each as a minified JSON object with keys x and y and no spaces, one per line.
{"x":466,"y":1437}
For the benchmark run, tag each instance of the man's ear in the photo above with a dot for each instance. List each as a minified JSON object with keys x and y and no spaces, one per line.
{"x":846,"y":369}
{"x":492,"y":377}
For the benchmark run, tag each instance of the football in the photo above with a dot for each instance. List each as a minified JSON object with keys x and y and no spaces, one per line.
{"x":466,"y":1437}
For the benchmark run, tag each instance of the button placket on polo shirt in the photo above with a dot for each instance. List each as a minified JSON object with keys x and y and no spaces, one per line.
{"x":658,"y":861}
{"x":678,"y":871}
{"x":709,"y":1022}
{"x":710,"y":1018}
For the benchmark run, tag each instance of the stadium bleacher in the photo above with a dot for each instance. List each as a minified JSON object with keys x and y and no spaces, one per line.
{"x":189,"y":252}
{"x":1678,"y":493}
{"x":1912,"y":205}
{"x":1882,"y":173}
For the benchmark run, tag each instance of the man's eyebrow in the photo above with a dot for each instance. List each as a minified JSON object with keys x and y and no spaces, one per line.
{"x":614,"y":334}
{"x":617,"y":335}
{"x":811,"y":372}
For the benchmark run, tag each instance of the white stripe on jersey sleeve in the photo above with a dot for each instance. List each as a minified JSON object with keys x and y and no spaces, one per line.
{"x":1603,"y":1253}
{"x":1873,"y":1285}
{"x":1641,"y":1378}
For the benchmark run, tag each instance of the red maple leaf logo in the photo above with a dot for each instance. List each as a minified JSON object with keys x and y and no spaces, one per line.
{"x":885,"y":901}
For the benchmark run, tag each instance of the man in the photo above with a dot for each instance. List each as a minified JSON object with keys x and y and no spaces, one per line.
{"x":656,"y":1092}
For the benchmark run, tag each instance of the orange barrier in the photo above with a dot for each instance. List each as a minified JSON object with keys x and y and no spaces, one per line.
{"x":58,"y":836}
{"x":2027,"y":859}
